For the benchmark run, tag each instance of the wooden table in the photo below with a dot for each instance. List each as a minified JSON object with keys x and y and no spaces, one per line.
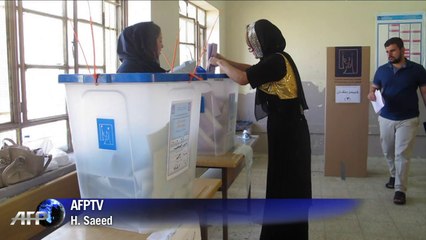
{"x":63,"y":187}
{"x":205,"y":188}
{"x":67,"y":231}
{"x":226,"y":167}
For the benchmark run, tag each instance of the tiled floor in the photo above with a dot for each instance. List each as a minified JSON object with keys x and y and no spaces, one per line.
{"x":377,"y":217}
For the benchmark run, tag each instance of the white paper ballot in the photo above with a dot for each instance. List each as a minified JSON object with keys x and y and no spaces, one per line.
{"x":186,"y":67}
{"x":378,"y":104}
{"x":212,"y":50}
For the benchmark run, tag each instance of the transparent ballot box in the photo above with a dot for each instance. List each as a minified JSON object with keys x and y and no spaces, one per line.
{"x":134,"y":134}
{"x":218,"y":115}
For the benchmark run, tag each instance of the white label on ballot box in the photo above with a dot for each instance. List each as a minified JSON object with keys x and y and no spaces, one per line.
{"x":179,"y":152}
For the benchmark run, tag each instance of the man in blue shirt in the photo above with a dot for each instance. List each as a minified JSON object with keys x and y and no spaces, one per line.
{"x":398,"y":81}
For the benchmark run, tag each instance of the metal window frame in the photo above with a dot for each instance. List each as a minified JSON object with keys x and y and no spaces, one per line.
{"x":198,"y":28}
{"x":17,"y":66}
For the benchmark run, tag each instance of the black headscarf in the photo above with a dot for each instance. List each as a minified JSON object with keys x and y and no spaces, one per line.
{"x":267,"y":39}
{"x":270,"y":38}
{"x":137,"y":48}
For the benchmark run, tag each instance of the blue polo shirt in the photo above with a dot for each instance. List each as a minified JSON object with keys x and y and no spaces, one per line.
{"x":399,"y":89}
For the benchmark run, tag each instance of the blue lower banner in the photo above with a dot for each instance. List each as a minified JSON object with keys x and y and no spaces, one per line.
{"x":53,"y":212}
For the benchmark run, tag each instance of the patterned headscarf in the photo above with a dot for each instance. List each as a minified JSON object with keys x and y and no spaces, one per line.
{"x":253,"y":41}
{"x":265,"y":38}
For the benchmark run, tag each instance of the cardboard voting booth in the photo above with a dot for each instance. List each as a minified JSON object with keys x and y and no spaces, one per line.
{"x":346,"y":116}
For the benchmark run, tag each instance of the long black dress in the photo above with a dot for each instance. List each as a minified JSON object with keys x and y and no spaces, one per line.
{"x":289,"y":149}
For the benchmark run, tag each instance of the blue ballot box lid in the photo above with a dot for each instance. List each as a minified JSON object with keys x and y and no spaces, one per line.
{"x":136,"y":77}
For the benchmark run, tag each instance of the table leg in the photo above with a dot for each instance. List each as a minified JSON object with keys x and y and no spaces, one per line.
{"x":204,"y":232}
{"x":225,"y":204}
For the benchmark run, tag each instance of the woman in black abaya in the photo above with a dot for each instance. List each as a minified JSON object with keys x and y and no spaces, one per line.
{"x":280,"y":96}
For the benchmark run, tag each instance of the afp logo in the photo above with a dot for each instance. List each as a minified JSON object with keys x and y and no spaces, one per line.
{"x":50,"y":213}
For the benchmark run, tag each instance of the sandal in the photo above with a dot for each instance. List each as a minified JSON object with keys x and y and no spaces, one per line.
{"x":399,"y":198}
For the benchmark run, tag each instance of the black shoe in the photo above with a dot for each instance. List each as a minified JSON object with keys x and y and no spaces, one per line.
{"x":399,"y":198}
{"x":391,"y":183}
